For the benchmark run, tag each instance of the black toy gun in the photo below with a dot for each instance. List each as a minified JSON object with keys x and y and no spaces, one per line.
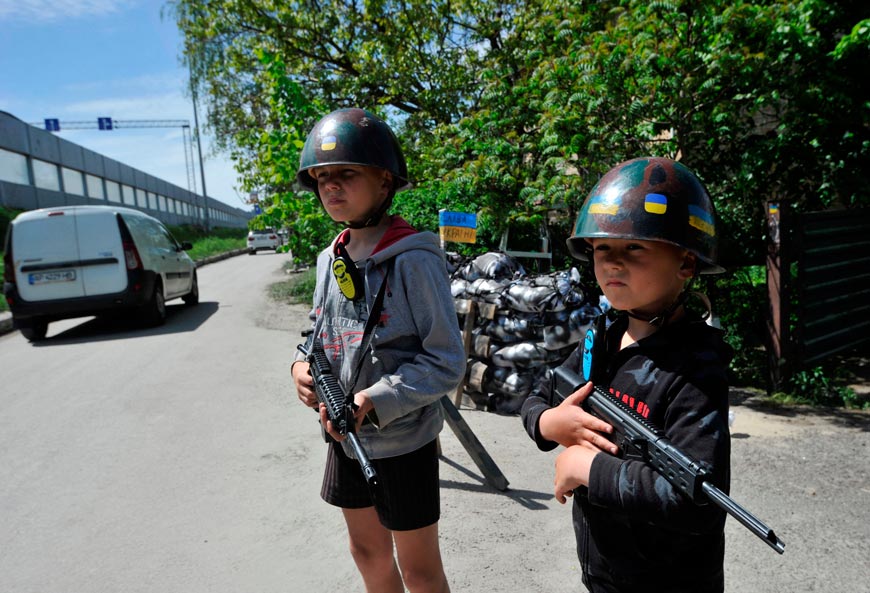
{"x":339,"y":406}
{"x":639,"y":439}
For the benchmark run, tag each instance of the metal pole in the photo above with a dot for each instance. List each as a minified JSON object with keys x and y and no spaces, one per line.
{"x":199,"y":149}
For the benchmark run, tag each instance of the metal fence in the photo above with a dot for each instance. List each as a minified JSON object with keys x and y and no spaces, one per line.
{"x":818,"y":278}
{"x":833,"y":283}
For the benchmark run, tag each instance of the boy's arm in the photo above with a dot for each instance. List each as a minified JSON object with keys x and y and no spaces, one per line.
{"x":538,"y":401}
{"x":567,"y":423}
{"x":441,"y":362}
{"x":696,"y":424}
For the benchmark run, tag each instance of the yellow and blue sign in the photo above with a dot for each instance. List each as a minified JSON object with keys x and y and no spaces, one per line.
{"x":460,"y":227}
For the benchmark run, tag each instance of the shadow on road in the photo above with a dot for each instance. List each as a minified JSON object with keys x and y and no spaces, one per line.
{"x":527,"y":498}
{"x":179,"y":319}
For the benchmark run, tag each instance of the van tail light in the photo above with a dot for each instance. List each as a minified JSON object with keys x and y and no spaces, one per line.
{"x":131,"y":256}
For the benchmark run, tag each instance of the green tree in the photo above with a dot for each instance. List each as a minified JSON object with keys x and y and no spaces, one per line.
{"x":267,"y":158}
{"x":516,"y":109}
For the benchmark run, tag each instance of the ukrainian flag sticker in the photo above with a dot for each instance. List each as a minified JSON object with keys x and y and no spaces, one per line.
{"x":599,"y":205}
{"x":701,"y":220}
{"x":656,"y":204}
{"x":327,"y":143}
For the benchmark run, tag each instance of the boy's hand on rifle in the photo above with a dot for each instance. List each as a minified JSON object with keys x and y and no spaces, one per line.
{"x":362,"y":406}
{"x":568,"y":424}
{"x":572,"y":470}
{"x":327,"y":425}
{"x":304,"y":383}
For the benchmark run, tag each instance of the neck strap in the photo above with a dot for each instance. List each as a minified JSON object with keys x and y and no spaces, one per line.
{"x":368,"y":331}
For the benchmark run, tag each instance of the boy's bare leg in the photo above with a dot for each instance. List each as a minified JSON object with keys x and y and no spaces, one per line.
{"x":420,"y":560}
{"x":371,"y":545}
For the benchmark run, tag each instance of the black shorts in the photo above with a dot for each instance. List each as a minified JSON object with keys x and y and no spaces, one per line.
{"x":408,"y":497}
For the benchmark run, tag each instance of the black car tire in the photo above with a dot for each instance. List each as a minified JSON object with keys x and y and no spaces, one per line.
{"x":155,"y":308}
{"x":35,"y":330}
{"x":192,"y":297}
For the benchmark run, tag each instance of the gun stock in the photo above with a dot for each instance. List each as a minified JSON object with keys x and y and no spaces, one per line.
{"x":640,"y":439}
{"x":339,"y":407}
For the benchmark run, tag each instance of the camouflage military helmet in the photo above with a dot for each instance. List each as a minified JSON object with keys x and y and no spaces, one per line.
{"x":352,"y":137}
{"x":650,"y":199}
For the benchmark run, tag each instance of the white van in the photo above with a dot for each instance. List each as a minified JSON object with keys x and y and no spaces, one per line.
{"x":86,"y":260}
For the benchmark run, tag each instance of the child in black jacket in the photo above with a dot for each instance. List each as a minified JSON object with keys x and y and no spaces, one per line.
{"x":648,"y":226}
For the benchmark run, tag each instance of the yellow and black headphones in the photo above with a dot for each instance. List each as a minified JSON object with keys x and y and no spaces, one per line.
{"x":348,"y":277}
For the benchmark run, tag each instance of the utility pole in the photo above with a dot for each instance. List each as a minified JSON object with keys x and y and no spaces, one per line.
{"x":199,"y":150}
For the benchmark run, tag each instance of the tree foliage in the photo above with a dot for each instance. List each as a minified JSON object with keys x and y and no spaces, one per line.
{"x":515,"y":109}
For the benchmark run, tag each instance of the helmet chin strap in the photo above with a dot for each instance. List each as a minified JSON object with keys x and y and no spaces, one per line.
{"x":374,"y":217}
{"x":663,"y":318}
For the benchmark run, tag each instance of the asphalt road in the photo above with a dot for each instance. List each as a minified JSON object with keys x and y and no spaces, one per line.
{"x":178,"y":460}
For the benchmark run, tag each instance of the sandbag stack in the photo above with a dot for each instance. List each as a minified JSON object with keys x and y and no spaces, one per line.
{"x":523,"y":326}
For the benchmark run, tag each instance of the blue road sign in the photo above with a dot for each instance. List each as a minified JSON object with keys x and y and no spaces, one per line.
{"x":52,"y":125}
{"x":104,"y":123}
{"x":257,"y":209}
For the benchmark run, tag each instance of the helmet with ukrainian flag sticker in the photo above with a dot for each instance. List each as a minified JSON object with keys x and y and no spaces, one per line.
{"x":352,"y":137}
{"x":650,"y":199}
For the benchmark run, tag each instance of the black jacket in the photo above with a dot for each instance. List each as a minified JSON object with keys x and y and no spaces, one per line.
{"x":633,"y":529}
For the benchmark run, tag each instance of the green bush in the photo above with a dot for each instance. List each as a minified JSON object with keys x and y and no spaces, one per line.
{"x":6,"y":217}
{"x":817,"y":387}
{"x":209,"y":246}
{"x":739,"y":299}
{"x":193,"y":233}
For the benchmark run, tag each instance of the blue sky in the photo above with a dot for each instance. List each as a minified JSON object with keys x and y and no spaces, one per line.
{"x":77,"y":60}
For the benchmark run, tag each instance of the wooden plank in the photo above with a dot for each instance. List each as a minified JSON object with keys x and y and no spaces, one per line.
{"x":468,"y":326}
{"x":473,"y":446}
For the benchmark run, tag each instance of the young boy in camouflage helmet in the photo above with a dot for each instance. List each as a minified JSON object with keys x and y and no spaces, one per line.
{"x":354,"y":165}
{"x":648,"y":227}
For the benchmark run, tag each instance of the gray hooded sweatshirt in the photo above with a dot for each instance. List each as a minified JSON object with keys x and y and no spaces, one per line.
{"x":416,"y":354}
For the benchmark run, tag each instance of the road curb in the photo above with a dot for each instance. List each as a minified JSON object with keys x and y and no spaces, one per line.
{"x":6,"y":317}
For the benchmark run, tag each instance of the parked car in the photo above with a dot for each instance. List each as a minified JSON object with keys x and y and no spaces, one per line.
{"x":263,"y":239}
{"x":87,"y":260}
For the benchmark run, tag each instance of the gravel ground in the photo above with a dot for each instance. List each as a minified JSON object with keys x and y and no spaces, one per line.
{"x":805,"y":472}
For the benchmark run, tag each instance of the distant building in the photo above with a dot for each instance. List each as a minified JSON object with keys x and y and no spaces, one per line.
{"x":41,"y":170}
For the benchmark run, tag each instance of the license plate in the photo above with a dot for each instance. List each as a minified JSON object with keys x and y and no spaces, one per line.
{"x":46,"y":277}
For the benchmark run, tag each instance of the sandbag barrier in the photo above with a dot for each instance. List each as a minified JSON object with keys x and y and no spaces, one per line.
{"x":523,"y":325}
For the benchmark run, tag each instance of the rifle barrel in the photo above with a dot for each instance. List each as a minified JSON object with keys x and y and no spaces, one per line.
{"x":750,"y":521}
{"x":365,"y":463}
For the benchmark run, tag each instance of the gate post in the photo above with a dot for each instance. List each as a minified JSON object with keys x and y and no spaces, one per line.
{"x":779,"y":294}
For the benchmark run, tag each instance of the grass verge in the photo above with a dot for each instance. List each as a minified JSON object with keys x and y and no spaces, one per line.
{"x":298,"y":288}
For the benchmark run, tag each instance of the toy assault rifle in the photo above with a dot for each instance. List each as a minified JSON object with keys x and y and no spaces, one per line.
{"x":639,"y":439}
{"x":339,"y":406}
